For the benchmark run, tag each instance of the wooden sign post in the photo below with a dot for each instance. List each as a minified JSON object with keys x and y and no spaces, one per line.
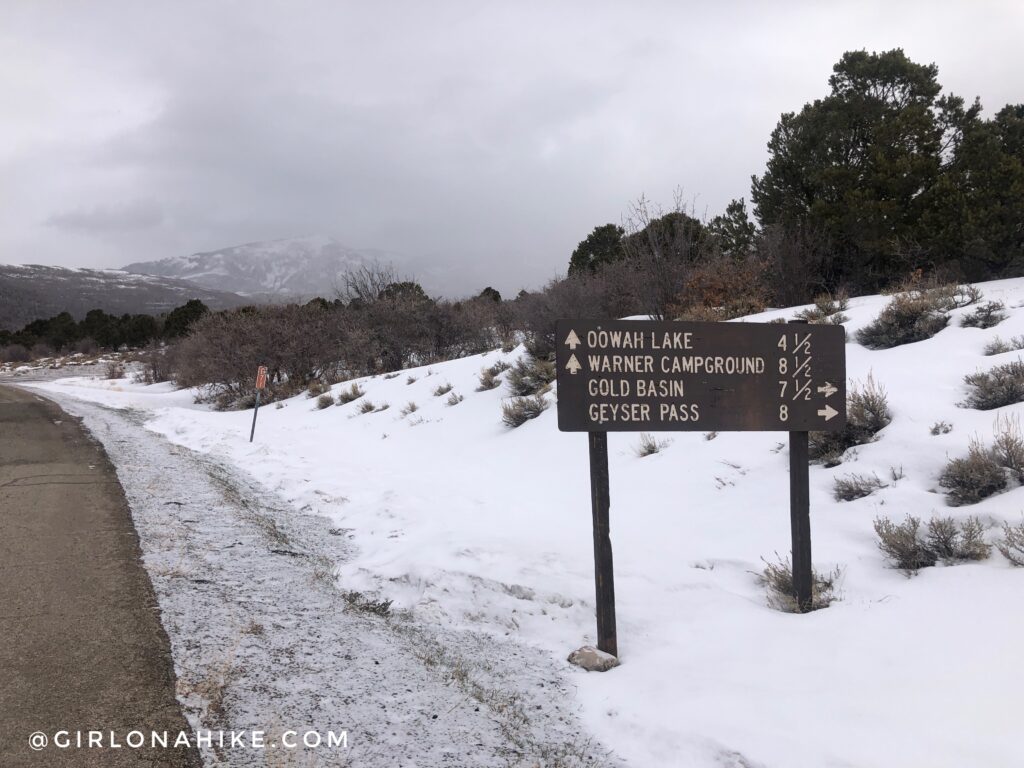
{"x":261,"y":384}
{"x":652,"y":376}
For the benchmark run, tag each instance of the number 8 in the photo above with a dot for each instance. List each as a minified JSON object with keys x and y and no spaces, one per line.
{"x":783,"y":413}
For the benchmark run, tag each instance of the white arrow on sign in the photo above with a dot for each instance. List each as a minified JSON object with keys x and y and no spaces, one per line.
{"x":828,"y":412}
{"x":828,"y":389}
{"x":573,"y":366}
{"x":572,"y":340}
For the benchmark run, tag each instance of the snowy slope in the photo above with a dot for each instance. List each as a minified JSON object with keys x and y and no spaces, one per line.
{"x":305,"y":267}
{"x":470,"y":524}
{"x":32,"y":291}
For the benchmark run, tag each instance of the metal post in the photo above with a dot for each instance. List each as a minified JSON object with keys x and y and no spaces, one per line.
{"x":800,"y":519}
{"x":604,"y":579}
{"x":254,"y":412}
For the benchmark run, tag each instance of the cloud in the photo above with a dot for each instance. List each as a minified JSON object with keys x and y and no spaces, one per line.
{"x":108,"y":218}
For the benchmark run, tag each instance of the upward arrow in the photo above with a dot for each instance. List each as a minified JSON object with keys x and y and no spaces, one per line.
{"x":572,"y":340}
{"x":573,"y":366}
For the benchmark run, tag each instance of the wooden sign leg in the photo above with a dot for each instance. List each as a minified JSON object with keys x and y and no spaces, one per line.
{"x":800,"y":518}
{"x":607,"y":640}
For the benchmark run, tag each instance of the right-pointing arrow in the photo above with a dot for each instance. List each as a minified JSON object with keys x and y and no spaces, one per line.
{"x":572,"y":340}
{"x":828,"y":389}
{"x":573,"y":366}
{"x":828,"y":412}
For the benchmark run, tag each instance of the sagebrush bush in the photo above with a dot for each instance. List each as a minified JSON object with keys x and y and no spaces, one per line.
{"x":454,"y":399}
{"x":778,"y":578}
{"x":985,"y":315}
{"x":827,"y":309}
{"x":367,"y":407}
{"x":410,"y":407}
{"x":410,"y":380}
{"x":973,"y":477}
{"x":324,"y":401}
{"x":1011,"y":545}
{"x":867,"y":410}
{"x":348,"y":395}
{"x":518,"y":410}
{"x":957,"y":542}
{"x":489,"y":376}
{"x":530,"y":376}
{"x":317,"y":388}
{"x":115,"y":370}
{"x":442,"y":389}
{"x":941,"y":428}
{"x":909,"y":317}
{"x":854,"y":487}
{"x":997,"y":346}
{"x":995,"y":388}
{"x":649,"y":445}
{"x":904,"y":544}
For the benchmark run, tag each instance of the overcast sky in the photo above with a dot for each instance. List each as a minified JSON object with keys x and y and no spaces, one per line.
{"x":483,"y":138}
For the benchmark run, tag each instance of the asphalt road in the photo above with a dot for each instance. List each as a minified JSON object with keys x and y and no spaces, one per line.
{"x":81,"y":644}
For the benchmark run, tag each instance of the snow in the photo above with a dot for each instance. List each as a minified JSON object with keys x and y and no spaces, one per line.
{"x":471,"y":526}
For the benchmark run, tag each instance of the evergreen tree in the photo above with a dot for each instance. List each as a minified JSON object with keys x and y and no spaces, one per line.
{"x":602,"y":246}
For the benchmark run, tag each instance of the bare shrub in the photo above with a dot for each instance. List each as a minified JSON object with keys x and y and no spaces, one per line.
{"x":1011,"y":545}
{"x":14,"y":353}
{"x":410,"y":380}
{"x":324,"y":401}
{"x":518,"y":410}
{"x":649,"y":445}
{"x":854,"y":487}
{"x":997,"y":346}
{"x":995,"y":388}
{"x":867,"y":408}
{"x":778,"y":578}
{"x":443,"y":389}
{"x":721,"y":288}
{"x":114,"y":370}
{"x":941,"y":428}
{"x":354,"y":392}
{"x":410,"y":407}
{"x":913,"y":315}
{"x":454,"y":399}
{"x":154,"y":367}
{"x":530,"y":376}
{"x":957,"y":542}
{"x":382,"y":407}
{"x":904,"y":544}
{"x":974,"y":477}
{"x":391,"y":375}
{"x":985,"y":315}
{"x":367,"y":407}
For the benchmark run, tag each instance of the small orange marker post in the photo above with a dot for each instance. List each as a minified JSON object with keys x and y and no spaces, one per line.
{"x":261,"y":384}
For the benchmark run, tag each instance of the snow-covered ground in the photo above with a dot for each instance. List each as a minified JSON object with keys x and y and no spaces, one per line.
{"x":471,"y":526}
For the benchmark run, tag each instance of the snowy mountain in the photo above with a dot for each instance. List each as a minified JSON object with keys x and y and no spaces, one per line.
{"x":300,"y":267}
{"x":474,"y":527}
{"x":30,"y":292}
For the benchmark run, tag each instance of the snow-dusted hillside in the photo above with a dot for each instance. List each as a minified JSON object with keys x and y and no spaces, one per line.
{"x":31,"y":291}
{"x":300,"y":267}
{"x":472,"y":525}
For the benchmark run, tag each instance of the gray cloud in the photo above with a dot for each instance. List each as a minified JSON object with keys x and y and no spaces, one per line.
{"x":108,"y":218}
{"x":480,"y":140}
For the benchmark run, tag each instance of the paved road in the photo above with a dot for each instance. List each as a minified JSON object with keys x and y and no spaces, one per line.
{"x":81,"y":645}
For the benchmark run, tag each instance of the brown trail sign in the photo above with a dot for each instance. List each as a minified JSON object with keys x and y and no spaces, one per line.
{"x":261,"y":384}
{"x":648,"y":376}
